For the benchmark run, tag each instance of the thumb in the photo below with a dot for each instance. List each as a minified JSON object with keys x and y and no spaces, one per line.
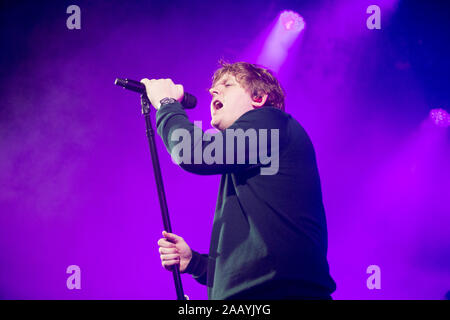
{"x":180,"y":92}
{"x":171,"y":237}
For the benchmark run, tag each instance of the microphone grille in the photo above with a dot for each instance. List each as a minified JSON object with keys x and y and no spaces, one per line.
{"x":120,"y":82}
{"x":189,"y":101}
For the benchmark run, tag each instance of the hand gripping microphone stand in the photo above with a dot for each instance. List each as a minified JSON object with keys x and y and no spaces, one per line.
{"x":145,"y":103}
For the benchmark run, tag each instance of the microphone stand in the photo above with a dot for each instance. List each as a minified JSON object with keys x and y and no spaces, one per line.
{"x":145,"y":103}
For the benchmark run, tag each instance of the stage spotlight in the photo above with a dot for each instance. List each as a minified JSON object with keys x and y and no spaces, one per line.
{"x":292,"y":21}
{"x":440,"y":117}
{"x":286,"y":30}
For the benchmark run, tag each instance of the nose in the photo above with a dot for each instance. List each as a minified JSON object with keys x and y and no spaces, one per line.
{"x":213,"y":91}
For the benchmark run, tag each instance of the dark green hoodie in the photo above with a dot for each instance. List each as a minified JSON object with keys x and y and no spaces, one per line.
{"x":267,"y":227}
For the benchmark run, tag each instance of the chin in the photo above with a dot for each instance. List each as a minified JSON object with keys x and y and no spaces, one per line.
{"x":215,"y":125}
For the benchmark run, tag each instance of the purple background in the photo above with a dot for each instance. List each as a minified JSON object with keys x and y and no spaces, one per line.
{"x":76,"y":181}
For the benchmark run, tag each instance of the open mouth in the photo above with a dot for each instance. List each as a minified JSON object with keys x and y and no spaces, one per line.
{"x":217,"y":105}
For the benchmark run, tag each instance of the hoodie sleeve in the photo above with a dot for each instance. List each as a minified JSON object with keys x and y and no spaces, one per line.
{"x":256,"y":139}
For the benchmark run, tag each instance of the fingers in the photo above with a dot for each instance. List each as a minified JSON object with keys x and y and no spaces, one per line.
{"x":168,"y":265}
{"x":170,"y":257}
{"x":163,"y":250}
{"x":172,"y":237}
{"x":169,"y":260}
{"x":169,"y":253}
{"x":163,"y":242}
{"x":169,"y":241}
{"x":180,"y":87}
{"x":146,"y":80}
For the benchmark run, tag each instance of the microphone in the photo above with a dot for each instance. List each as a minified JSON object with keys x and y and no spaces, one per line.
{"x":188,"y":102}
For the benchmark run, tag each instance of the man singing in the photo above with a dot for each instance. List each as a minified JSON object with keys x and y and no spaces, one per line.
{"x":269,"y":237}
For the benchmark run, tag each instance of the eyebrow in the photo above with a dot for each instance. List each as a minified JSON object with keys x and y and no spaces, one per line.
{"x":223,"y":81}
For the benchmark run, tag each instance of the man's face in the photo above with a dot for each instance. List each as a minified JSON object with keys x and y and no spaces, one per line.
{"x":229,"y":102}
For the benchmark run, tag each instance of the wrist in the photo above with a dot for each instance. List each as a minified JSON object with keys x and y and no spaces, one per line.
{"x":191,"y":264}
{"x":165,"y":101}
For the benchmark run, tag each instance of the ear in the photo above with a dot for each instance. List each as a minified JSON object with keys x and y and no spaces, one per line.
{"x":259,"y":100}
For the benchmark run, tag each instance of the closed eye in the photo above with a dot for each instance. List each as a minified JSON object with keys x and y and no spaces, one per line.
{"x":213,"y":91}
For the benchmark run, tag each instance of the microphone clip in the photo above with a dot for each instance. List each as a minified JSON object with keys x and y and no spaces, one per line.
{"x":145,"y":104}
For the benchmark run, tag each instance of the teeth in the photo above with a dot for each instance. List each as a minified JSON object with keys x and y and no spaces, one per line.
{"x":218,"y":104}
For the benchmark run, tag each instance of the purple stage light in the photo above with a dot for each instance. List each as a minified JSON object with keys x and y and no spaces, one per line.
{"x":440,"y":117}
{"x":281,"y":38}
{"x":292,"y":21}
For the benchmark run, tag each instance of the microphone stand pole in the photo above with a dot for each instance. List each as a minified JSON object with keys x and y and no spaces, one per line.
{"x":145,"y":103}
